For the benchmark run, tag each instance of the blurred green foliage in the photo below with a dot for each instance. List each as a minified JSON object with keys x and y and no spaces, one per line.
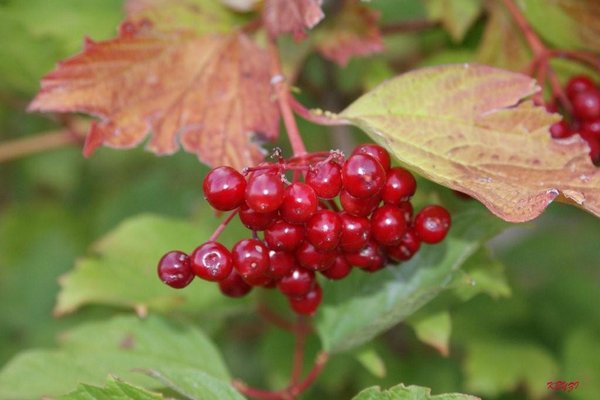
{"x":505,"y":340}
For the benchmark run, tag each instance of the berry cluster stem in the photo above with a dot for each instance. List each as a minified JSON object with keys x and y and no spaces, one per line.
{"x":282,"y":93}
{"x":300,"y":336}
{"x":215,"y":235}
{"x":293,"y":390}
{"x":535,"y":43}
{"x":540,"y":67}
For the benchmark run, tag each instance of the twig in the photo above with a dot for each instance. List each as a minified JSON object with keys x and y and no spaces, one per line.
{"x":299,"y":348}
{"x":275,"y":319}
{"x":318,"y":117}
{"x":36,"y":144}
{"x":320,"y":362}
{"x":409,"y":26}
{"x":223,"y":225}
{"x":282,"y":92}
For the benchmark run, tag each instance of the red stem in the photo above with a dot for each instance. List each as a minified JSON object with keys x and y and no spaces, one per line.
{"x":542,"y":55}
{"x":580,"y":56}
{"x":532,"y":38}
{"x":320,"y":362}
{"x":282,"y":93}
{"x":275,"y":319}
{"x":317,"y":117}
{"x":222,"y":226}
{"x":292,"y":391}
{"x":298,"y":364}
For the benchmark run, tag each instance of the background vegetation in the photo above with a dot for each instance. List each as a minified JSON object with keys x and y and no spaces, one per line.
{"x":532,"y":318}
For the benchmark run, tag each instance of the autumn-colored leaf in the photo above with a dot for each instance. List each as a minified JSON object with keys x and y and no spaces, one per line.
{"x":502,"y":44}
{"x":465,"y":127}
{"x":353,"y":32}
{"x":291,"y":16}
{"x":211,"y":93}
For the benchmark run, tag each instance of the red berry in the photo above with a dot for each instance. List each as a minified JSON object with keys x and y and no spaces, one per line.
{"x":250,"y":258}
{"x":370,"y":257}
{"x":254,"y":220}
{"x":280,"y":264}
{"x":560,"y":130}
{"x":211,"y":261}
{"x":375,"y":151}
{"x":311,"y":258}
{"x":388,"y":225}
{"x":399,"y":186}
{"x":174,"y":269}
{"x":299,"y":203}
{"x":307,"y":304}
{"x":359,"y":207}
{"x":578,"y":83}
{"x":326,"y":179}
{"x":260,"y":280}
{"x":363,"y":176}
{"x":432,"y":224}
{"x":234,"y":285}
{"x":408,"y":247}
{"x":264,"y":191}
{"x":340,"y":269}
{"x":224,"y":188}
{"x":297,"y":282}
{"x":593,"y":141}
{"x":586,"y":104}
{"x":323,"y":230}
{"x":591,"y":128}
{"x":282,"y":235}
{"x":355,"y":232}
{"x":407,"y":210}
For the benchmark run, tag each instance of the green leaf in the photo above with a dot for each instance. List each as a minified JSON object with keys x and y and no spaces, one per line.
{"x":401,"y":392}
{"x":118,"y":346}
{"x":495,"y":366}
{"x":581,"y":355}
{"x":457,"y":16}
{"x":461,"y":125}
{"x":123,"y":273}
{"x":482,"y":274}
{"x":200,"y":16}
{"x":565,"y":24}
{"x":114,"y":390}
{"x":194,"y":384}
{"x":372,"y":361}
{"x":361,"y":306}
{"x":37,"y":33}
{"x":434,"y":329}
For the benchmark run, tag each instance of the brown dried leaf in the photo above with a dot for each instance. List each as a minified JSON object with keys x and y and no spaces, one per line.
{"x":464,"y":127}
{"x":291,"y":16}
{"x":353,"y":32}
{"x":211,"y":93}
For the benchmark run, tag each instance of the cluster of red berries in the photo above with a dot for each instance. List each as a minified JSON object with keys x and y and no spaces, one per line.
{"x":584,"y":96}
{"x":304,"y":229}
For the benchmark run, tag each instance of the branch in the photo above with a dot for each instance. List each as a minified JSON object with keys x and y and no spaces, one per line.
{"x":318,"y":117}
{"x":298,"y":364}
{"x":18,"y":148}
{"x":409,"y":26}
{"x":282,"y":93}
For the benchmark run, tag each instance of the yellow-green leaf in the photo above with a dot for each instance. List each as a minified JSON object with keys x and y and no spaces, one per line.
{"x":468,"y":127}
